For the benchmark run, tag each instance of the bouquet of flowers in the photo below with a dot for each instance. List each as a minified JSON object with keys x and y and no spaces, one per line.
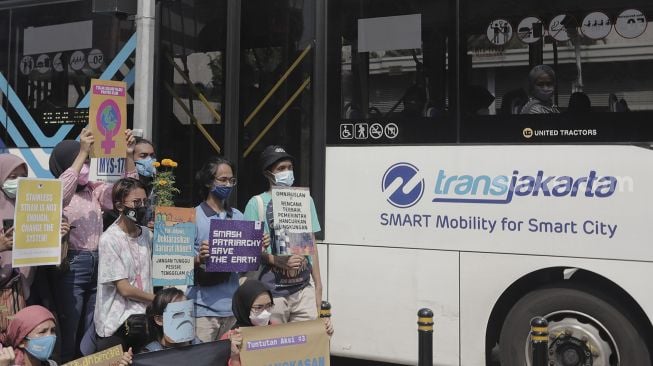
{"x":164,"y":183}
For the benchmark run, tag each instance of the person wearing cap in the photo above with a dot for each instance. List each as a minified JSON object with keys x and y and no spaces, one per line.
{"x":287,"y":277}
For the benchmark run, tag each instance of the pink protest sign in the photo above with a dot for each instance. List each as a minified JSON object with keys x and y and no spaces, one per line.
{"x":108,"y":118}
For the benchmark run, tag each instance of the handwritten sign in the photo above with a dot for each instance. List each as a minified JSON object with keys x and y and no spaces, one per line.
{"x":37,"y":223}
{"x":173,"y":255}
{"x":291,"y":209}
{"x":298,"y":343}
{"x":107,"y":118}
{"x":235,"y":246}
{"x":108,"y":357}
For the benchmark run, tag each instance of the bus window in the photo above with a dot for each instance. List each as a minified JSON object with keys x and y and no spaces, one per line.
{"x":389,"y":80}
{"x":595,"y":58}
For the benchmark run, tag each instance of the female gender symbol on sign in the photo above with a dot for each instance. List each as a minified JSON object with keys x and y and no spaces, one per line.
{"x":108,"y":122}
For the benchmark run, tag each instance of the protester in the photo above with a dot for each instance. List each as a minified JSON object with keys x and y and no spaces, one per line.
{"x":542,"y":81}
{"x":213,"y":291}
{"x":251,"y":305}
{"x":125,"y":270}
{"x":11,"y":168}
{"x":144,"y":159}
{"x":287,"y":277}
{"x":83,"y":203}
{"x":171,"y":320}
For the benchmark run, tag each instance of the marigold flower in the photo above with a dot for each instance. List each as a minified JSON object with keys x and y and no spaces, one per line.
{"x":163,"y":182}
{"x":156,"y":164}
{"x":166,"y":162}
{"x":174,"y":164}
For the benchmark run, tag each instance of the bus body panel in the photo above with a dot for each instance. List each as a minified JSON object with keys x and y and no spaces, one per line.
{"x":484,"y":277}
{"x":579,"y":206}
{"x":500,"y":199}
{"x":376,"y":293}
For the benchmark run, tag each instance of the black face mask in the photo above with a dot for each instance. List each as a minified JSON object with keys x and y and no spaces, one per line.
{"x":135,"y":214}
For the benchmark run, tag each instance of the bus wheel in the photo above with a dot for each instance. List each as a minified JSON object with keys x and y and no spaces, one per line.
{"x":584,"y":329}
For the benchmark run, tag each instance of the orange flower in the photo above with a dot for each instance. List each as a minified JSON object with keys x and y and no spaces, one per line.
{"x":174,"y":164}
{"x":156,"y":164}
{"x":162,"y":182}
{"x":166,"y":162}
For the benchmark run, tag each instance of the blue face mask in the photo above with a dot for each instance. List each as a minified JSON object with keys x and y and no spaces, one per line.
{"x":41,"y":347}
{"x":145,"y":167}
{"x":285,"y":178}
{"x":179,"y":322}
{"x":221,"y":192}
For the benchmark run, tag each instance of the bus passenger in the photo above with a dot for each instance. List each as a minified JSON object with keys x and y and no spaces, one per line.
{"x":287,"y":277}
{"x":542,"y":81}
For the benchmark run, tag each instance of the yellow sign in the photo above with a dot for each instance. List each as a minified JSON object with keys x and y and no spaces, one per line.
{"x":108,"y":357}
{"x":107,"y":118}
{"x":37,"y":223}
{"x":299,"y":343}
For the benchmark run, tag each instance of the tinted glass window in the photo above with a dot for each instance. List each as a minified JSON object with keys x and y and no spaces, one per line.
{"x":390,"y":81}
{"x":595,"y":85}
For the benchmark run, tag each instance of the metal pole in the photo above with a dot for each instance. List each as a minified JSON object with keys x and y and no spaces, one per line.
{"x":144,"y":84}
{"x":325,"y":310}
{"x":425,"y":332}
{"x":539,"y":341}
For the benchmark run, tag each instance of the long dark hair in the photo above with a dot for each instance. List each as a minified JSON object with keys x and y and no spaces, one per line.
{"x":158,"y":306}
{"x":205,"y":178}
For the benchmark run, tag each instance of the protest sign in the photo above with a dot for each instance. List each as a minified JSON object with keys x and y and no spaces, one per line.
{"x":203,"y":354}
{"x":107,"y":118}
{"x":293,"y":229}
{"x":108,"y":357}
{"x":37,"y":223}
{"x":299,"y":343}
{"x":173,"y":255}
{"x":234,"y":246}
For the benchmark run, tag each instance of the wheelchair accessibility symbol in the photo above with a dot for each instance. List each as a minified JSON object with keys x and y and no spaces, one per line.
{"x":346,"y":131}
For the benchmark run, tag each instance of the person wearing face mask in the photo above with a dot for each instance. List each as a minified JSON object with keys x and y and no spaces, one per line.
{"x":287,"y":277}
{"x":124,"y":283}
{"x":83,"y":203}
{"x":171,"y":320}
{"x":252,"y":305}
{"x":542,"y":81}
{"x":213,"y":290}
{"x":144,"y":159}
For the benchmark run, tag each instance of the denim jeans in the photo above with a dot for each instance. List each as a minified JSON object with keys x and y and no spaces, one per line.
{"x":75,"y":299}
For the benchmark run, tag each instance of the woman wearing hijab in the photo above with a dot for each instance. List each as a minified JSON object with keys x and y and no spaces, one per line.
{"x":83,"y":203}
{"x":251,"y":306}
{"x":542,"y":81}
{"x":31,"y":334}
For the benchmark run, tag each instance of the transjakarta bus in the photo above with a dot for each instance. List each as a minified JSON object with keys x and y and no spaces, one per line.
{"x":440,"y":194}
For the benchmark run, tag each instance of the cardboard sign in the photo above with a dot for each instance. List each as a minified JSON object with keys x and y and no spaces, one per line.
{"x":298,"y":343}
{"x":293,"y":229}
{"x":173,"y":255}
{"x":37,"y":223}
{"x":108,"y":357}
{"x":235,"y":246}
{"x":107,"y":169}
{"x":107,"y":118}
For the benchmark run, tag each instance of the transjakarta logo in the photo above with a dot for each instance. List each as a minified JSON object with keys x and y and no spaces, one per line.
{"x":498,"y":189}
{"x":403,"y":185}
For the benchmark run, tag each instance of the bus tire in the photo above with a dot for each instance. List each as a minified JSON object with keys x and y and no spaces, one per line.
{"x":563,"y":304}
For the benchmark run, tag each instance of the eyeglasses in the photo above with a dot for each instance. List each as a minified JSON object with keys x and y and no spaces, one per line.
{"x":257,"y":309}
{"x":223,"y":181}
{"x":140,"y":203}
